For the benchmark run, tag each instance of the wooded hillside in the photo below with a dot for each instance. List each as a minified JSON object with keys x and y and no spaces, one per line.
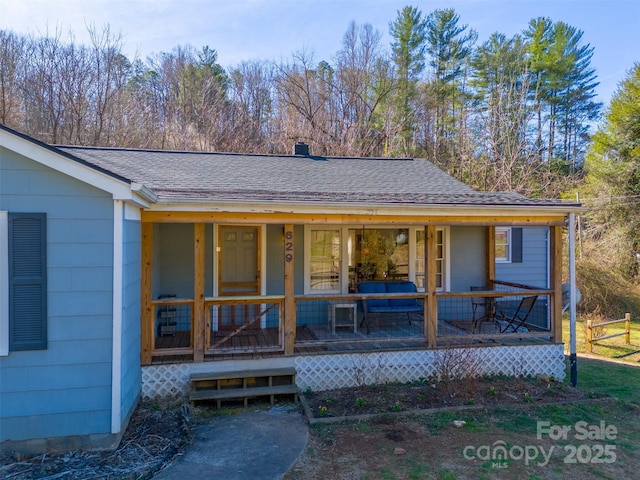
{"x":506,"y":114}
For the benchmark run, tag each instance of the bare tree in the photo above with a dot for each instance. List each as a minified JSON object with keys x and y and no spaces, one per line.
{"x":12,"y":63}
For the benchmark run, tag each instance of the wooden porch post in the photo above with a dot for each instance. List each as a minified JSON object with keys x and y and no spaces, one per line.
{"x":146,"y":294}
{"x":198,"y":292}
{"x":491,"y":256}
{"x":289,"y":291}
{"x":431,"y":305}
{"x":555,"y":282}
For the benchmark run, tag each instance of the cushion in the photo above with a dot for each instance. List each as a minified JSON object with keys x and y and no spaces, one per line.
{"x":374,"y":287}
{"x":402,"y":287}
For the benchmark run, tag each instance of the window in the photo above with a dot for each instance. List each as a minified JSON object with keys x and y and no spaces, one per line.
{"x":324,"y":260}
{"x":503,"y":244}
{"x":338,"y":258}
{"x":441,"y":260}
{"x":377,"y":254}
{"x":27,"y":281}
{"x":508,"y":245}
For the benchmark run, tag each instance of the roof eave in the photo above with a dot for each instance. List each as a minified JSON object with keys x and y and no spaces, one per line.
{"x":189,"y":205}
{"x":118,"y":187}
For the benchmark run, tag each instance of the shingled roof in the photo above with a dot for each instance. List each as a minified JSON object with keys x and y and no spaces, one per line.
{"x":197,"y":176}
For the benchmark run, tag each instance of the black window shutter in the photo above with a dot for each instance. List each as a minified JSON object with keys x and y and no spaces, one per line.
{"x":516,"y":245}
{"x":27,"y":281}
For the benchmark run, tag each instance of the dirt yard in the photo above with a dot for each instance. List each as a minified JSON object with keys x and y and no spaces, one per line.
{"x":496,"y":428}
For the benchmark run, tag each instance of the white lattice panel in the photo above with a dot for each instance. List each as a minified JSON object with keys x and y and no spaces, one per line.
{"x":325,"y":372}
{"x":165,"y":381}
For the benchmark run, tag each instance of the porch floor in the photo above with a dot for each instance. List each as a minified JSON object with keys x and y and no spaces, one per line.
{"x":315,"y":339}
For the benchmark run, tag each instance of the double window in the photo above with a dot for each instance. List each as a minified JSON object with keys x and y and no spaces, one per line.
{"x":341,"y":257}
{"x":23,"y":282}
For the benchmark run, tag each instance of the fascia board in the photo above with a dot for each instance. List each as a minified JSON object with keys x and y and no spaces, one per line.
{"x":360,"y":209}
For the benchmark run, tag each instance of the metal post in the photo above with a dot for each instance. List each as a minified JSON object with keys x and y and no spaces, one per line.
{"x":572,"y":301}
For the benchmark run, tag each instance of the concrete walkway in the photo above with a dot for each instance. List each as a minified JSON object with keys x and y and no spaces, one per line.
{"x":254,"y":445}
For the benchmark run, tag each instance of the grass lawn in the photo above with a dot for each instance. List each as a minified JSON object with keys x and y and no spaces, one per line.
{"x":614,"y":348}
{"x":606,"y":377}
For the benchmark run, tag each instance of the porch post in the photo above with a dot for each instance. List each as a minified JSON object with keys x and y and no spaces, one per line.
{"x":431,"y":304}
{"x":555,"y":282}
{"x":198,"y":292}
{"x":289,"y":300}
{"x":146,"y":293}
{"x":490,"y":270}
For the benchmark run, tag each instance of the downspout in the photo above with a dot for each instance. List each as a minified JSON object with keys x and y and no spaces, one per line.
{"x":116,"y":350}
{"x":572,"y":300}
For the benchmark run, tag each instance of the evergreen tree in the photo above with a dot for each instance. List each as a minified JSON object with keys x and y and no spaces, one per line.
{"x":408,"y":47}
{"x":613,"y":175}
{"x":449,"y":46}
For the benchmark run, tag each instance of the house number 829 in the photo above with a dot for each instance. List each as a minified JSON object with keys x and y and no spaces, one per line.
{"x":288,"y":246}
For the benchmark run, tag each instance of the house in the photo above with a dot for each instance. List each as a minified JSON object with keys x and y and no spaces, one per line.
{"x":123,"y":272}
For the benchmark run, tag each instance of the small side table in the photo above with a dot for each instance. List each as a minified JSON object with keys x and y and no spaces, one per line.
{"x":352,"y":310}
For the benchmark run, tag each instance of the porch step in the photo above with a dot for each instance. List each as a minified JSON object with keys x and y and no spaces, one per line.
{"x":243,"y":384}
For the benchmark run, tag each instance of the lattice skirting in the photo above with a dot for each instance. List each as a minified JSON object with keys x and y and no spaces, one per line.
{"x":325,"y":372}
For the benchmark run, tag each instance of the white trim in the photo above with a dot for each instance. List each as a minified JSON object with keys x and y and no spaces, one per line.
{"x":446,"y":246}
{"x":116,"y":355}
{"x":307,"y":258}
{"x":573,"y":291}
{"x":132,"y":212}
{"x":509,"y":245}
{"x":119,"y":189}
{"x":4,"y":283}
{"x":446,"y":231}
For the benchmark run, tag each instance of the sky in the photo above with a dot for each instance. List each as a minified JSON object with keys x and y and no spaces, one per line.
{"x":243,"y":30}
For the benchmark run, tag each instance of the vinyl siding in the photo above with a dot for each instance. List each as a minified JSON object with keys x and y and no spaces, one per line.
{"x":535,"y":258}
{"x":65,"y":389}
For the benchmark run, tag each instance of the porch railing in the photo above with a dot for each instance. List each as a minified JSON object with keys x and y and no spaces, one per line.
{"x":339,"y":319}
{"x":247,"y":325}
{"x":172,"y":327}
{"x":502,"y":316}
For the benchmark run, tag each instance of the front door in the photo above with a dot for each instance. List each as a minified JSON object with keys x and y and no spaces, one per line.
{"x":239,"y":274}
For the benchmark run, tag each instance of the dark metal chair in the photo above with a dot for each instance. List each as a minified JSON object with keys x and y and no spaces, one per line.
{"x":518,"y":319}
{"x":483,"y":308}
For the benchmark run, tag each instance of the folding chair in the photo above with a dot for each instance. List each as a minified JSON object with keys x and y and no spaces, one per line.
{"x":518,"y":319}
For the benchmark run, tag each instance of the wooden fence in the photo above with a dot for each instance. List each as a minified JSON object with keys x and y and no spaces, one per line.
{"x":591,"y":326}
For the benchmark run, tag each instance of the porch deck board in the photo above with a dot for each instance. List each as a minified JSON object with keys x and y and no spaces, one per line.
{"x":317,"y":339}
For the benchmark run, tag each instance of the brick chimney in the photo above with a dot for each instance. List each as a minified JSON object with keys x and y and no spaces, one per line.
{"x":301,"y":148}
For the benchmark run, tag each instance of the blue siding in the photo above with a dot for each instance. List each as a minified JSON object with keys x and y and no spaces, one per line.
{"x":173,"y":260}
{"x":275,"y":260}
{"x":467,"y":257}
{"x":65,"y":389}
{"x":535,"y":259}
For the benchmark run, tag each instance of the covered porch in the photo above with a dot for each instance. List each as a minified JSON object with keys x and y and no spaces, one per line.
{"x":298,"y":296}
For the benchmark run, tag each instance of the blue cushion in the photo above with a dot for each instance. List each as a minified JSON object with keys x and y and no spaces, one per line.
{"x":374,"y":287}
{"x":402,"y":287}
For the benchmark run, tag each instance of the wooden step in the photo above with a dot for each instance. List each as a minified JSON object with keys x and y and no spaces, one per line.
{"x":243,"y":384}
{"x":267,"y":372}
{"x":227,"y":393}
